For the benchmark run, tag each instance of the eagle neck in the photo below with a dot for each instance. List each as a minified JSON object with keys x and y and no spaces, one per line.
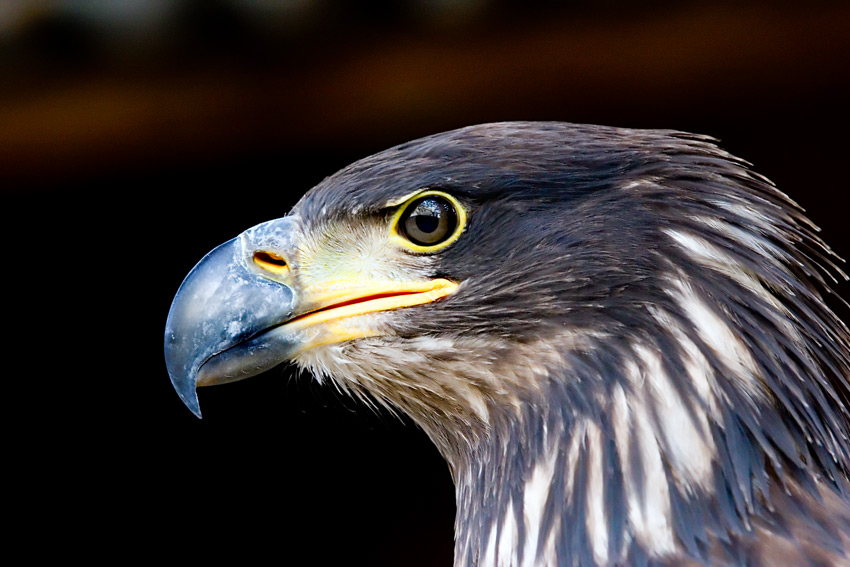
{"x":536,"y":490}
{"x":638,"y":468}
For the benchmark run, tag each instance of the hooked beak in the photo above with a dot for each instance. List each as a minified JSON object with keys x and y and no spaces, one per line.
{"x":243,"y":309}
{"x":221,"y":303}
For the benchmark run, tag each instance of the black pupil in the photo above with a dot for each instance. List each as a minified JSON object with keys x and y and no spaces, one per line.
{"x":429,"y":221}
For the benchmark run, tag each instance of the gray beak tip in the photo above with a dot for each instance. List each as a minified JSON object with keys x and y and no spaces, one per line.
{"x":191,"y":401}
{"x":181,"y":362}
{"x":183,"y":379}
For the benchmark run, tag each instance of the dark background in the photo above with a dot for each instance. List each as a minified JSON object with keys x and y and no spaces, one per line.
{"x":137,"y":136}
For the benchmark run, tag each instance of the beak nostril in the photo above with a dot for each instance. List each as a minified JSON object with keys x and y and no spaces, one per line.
{"x":271,"y":262}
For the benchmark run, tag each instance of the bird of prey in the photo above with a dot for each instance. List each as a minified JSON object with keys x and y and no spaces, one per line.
{"x":617,"y":339}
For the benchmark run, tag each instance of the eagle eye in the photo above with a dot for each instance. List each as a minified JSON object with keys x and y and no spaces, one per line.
{"x":430,"y":221}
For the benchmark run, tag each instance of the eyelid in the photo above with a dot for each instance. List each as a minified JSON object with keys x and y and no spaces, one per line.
{"x":460,"y":212}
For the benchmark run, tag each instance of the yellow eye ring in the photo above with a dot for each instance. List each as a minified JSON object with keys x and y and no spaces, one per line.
{"x":424,"y":224}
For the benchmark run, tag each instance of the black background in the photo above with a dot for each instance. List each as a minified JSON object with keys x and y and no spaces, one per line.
{"x":126,"y":155}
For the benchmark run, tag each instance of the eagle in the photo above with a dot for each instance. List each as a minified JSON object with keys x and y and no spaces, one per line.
{"x":618,"y":339}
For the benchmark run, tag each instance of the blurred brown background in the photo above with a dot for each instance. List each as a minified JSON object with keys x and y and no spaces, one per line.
{"x":136,"y":136}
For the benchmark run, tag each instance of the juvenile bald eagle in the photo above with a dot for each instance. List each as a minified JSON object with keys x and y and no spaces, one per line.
{"x":616,"y":338}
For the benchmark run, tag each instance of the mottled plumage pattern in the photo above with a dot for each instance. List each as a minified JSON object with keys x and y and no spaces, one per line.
{"x":638,"y":368}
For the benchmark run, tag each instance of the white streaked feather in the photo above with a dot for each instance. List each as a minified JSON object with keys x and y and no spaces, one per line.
{"x":535,"y":495}
{"x":649,"y":514}
{"x":719,"y":337}
{"x":596,"y":521}
{"x":502,"y":545}
{"x":489,"y":558}
{"x":508,"y":538}
{"x":747,"y":238}
{"x":685,"y":429}
{"x":713,"y":257}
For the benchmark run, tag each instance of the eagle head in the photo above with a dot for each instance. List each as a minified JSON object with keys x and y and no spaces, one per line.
{"x":615,"y":337}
